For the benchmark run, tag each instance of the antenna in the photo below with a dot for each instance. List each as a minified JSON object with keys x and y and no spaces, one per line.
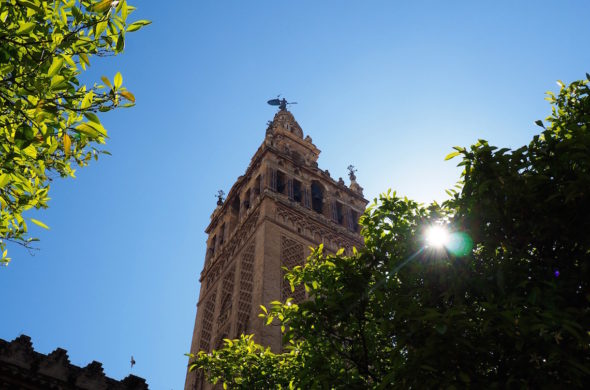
{"x":282,"y":103}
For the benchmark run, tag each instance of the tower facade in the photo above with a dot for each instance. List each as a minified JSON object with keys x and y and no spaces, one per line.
{"x":283,"y":205}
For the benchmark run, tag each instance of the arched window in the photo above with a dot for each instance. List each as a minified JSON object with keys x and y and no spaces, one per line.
{"x":246,"y":202}
{"x":297,"y":193}
{"x":235,"y":205}
{"x":211,"y":250}
{"x":257,"y":186}
{"x":281,"y":182}
{"x":353,"y":221}
{"x":338,"y":213}
{"x":317,"y":197}
{"x":221,"y":234}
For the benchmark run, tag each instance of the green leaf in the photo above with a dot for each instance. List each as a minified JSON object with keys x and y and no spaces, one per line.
{"x":85,"y":128}
{"x":39,"y":223}
{"x":106,"y":81}
{"x":31,"y":5}
{"x":58,"y":82}
{"x":99,"y":29}
{"x":98,"y":127}
{"x":540,"y":123}
{"x":92,"y":117}
{"x":56,"y":65}
{"x":118,"y":81}
{"x":100,"y":6}
{"x":120,"y":42}
{"x":69,"y":60}
{"x":124,"y":10}
{"x":25,"y":27}
{"x":67,"y":144}
{"x":4,"y":179}
{"x":128,"y":95}
{"x":451,"y":155}
{"x":137,"y":25}
{"x":87,"y":100}
{"x":84,"y":58}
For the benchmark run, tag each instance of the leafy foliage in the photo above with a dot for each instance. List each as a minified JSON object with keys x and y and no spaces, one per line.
{"x":48,"y":118}
{"x":506,"y":308}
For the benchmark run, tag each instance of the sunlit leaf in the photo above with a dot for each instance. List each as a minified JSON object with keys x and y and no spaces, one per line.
{"x":55,"y":66}
{"x":137,"y":25}
{"x":39,"y":223}
{"x":100,"y":6}
{"x":451,"y":155}
{"x":128,"y":95}
{"x":67,"y":144}
{"x":25,"y":27}
{"x":92,"y":117}
{"x":106,"y":81}
{"x":118,"y":81}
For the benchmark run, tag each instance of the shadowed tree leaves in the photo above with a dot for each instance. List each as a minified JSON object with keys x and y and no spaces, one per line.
{"x":48,"y":120}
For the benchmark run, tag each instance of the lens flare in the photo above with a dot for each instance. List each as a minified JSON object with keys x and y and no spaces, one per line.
{"x":437,"y":236}
{"x":457,"y":243}
{"x":460,"y":244}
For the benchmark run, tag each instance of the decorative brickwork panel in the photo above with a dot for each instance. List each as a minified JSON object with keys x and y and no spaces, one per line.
{"x":214,"y":272}
{"x":227,"y":296}
{"x":291,"y":256}
{"x":222,"y":334}
{"x":246,"y":288}
{"x":207,"y":323}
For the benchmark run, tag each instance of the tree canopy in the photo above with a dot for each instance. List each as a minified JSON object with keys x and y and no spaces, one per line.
{"x":48,"y":117}
{"x":503,"y":304}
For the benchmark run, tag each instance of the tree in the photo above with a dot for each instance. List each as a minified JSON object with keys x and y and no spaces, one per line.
{"x":504,"y":304}
{"x":48,"y":118}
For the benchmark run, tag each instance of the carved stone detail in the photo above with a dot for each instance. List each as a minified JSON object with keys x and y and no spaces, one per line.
{"x":216,"y":266}
{"x":315,"y":231}
{"x":227,"y":296}
{"x":285,"y":121}
{"x":207,"y":329}
{"x":291,"y":256}
{"x":246,"y":288}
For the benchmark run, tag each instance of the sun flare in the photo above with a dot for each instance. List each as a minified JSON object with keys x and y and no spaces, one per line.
{"x":437,"y":236}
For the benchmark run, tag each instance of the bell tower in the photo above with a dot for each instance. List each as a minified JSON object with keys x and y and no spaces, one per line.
{"x":283,"y":204}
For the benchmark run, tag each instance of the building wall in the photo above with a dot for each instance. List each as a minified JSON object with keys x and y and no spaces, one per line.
{"x":21,"y":367}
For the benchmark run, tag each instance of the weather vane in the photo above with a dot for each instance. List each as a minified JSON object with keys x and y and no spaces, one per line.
{"x":282,"y":103}
{"x":220,"y":194}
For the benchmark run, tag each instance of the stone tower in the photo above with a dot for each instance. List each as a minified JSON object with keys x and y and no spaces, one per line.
{"x":280,"y":207}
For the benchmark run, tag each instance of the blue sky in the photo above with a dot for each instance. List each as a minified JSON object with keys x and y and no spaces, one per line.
{"x":387,"y":86}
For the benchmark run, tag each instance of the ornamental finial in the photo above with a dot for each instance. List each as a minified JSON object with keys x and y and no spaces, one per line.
{"x":351,"y":171}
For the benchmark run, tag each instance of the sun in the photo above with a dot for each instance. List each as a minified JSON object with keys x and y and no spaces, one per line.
{"x":437,"y":236}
